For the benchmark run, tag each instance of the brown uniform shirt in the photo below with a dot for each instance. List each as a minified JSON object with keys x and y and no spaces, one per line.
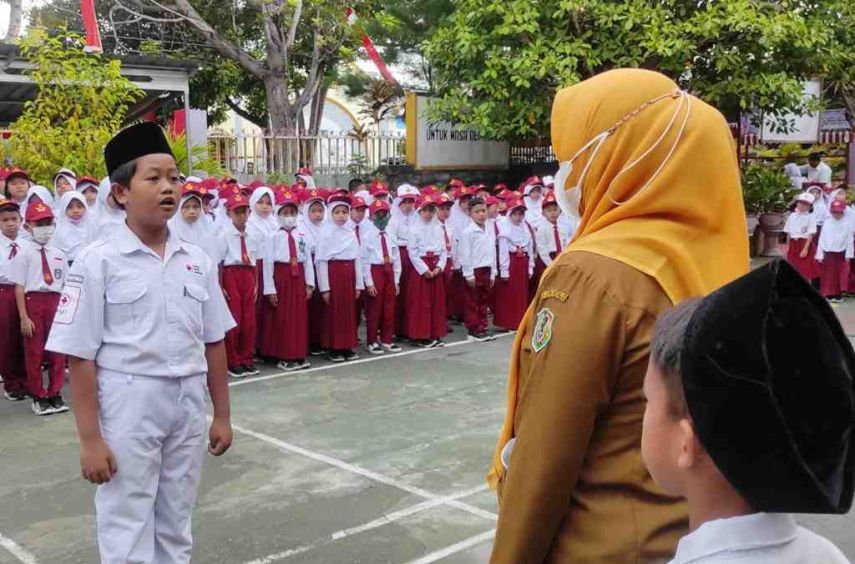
{"x":577,"y":490}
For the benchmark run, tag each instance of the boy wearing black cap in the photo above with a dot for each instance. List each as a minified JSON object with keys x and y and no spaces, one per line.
{"x":745,"y":425}
{"x":142,"y":319}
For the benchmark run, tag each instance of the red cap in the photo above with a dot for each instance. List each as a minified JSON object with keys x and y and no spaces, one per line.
{"x":237,"y":201}
{"x":378,"y":188}
{"x":426,"y":200}
{"x":311,"y":196}
{"x":501,"y":186}
{"x":358,"y":203}
{"x":17,"y":171}
{"x":479,"y":187}
{"x":305,"y":171}
{"x":838,"y":206}
{"x":455,"y":183}
{"x":287,"y":197}
{"x":530,"y":181}
{"x":38,"y":212}
{"x":516,"y":203}
{"x":9,"y":205}
{"x":462,"y":192}
{"x":193,"y":188}
{"x":379,"y":205}
{"x":339,"y":198}
{"x":491,"y":201}
{"x":211,"y":183}
{"x":444,"y":199}
{"x":430,"y":190}
{"x":549,"y":198}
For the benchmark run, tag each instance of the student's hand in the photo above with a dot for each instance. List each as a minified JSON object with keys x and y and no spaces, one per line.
{"x":226,"y":295}
{"x":428,"y":274}
{"x":326,"y":297}
{"x":220,"y":436}
{"x":27,"y":327}
{"x":309,"y":291}
{"x":358,"y":293}
{"x":397,"y":289}
{"x":505,"y":278}
{"x":372,"y":291}
{"x":97,"y":463}
{"x":492,"y":282}
{"x":804,"y":253}
{"x":437,"y":271}
{"x":255,"y":294}
{"x":470,"y":282}
{"x":273,"y":299}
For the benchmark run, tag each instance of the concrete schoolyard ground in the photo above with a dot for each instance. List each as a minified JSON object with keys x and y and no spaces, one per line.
{"x":381,"y":460}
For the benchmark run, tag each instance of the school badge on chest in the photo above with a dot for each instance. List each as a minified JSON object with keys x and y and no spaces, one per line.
{"x":542,"y":329}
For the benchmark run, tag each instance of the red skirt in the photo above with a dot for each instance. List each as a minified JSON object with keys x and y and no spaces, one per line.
{"x":512,"y":294}
{"x":426,"y":303}
{"x":260,"y":305}
{"x":456,"y":290}
{"x":539,"y":269}
{"x":407,"y":271}
{"x":835,"y":274}
{"x":341,"y":324}
{"x":807,"y":266}
{"x":451,"y":303}
{"x":287,"y":335}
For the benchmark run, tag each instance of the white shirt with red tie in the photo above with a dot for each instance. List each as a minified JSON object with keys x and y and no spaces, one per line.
{"x":373,"y":253}
{"x":11,"y":251}
{"x":40,"y":268}
{"x":277,"y":248}
{"x":477,"y":250}
{"x":231,"y":251}
{"x":551,"y":238}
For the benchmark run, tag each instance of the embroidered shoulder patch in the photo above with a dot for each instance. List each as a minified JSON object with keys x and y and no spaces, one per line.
{"x":67,"y":308}
{"x":542,"y":333}
{"x":559,"y":295}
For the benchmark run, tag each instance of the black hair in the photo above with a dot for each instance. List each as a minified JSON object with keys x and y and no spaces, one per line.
{"x":476,"y":201}
{"x":354,"y":182}
{"x":122,"y":175}
{"x":666,"y":351}
{"x":815,"y":157}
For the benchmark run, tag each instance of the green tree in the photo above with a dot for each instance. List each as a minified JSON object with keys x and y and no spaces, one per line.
{"x":81,"y":103}
{"x":498,"y":63}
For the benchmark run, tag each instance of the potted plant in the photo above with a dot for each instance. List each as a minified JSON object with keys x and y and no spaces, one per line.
{"x":767,"y":192}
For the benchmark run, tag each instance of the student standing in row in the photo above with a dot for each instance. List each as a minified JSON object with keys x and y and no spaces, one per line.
{"x":403,"y":218}
{"x":11,"y":342}
{"x":339,"y":280}
{"x":39,"y":276}
{"x":289,"y":283}
{"x":552,"y":235}
{"x":426,"y":319}
{"x":310,"y":226}
{"x":836,"y":248}
{"x":240,"y":252}
{"x":453,"y":302}
{"x":801,"y":231}
{"x":381,"y":263}
{"x":73,"y":228}
{"x":516,"y":265}
{"x":478,"y":262}
{"x":142,"y":320}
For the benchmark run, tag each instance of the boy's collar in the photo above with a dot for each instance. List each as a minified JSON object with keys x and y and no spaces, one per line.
{"x":737,"y":534}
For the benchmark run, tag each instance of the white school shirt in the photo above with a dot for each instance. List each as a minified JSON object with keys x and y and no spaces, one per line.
{"x":29,"y":272}
{"x":761,"y":538}
{"x":276,"y":250}
{"x":545,"y":236}
{"x":132,"y":312}
{"x":822,"y":173}
{"x":800,"y":225}
{"x":477,"y":250}
{"x":230,"y":254}
{"x":454,"y":252}
{"x":836,"y":237}
{"x":352,"y":252}
{"x":372,"y":254}
{"x":513,"y":238}
{"x":401,"y":227}
{"x":7,"y":264}
{"x":424,"y":240}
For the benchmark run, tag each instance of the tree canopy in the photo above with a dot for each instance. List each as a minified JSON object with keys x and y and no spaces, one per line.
{"x":498,"y":63}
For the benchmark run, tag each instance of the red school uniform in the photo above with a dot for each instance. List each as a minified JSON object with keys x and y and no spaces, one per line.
{"x":11,"y":343}
{"x":426,"y":319}
{"x":834,"y":251}
{"x":516,"y":265}
{"x":800,"y":227}
{"x":381,"y":263}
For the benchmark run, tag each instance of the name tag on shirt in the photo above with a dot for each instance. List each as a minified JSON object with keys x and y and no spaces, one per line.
{"x":67,"y":308}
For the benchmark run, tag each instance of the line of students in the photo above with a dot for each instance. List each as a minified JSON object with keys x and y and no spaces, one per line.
{"x":299,"y":266}
{"x":821,"y":241}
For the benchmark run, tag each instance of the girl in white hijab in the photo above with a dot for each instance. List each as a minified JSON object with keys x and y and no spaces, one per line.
{"x":339,"y":280}
{"x":426,"y":319}
{"x":309,"y":227}
{"x":262,"y":221}
{"x":64,"y":181}
{"x":533,"y":199}
{"x":72,"y":225}
{"x":403,"y":217}
{"x":108,"y":217}
{"x":189,"y":225}
{"x":794,"y":173}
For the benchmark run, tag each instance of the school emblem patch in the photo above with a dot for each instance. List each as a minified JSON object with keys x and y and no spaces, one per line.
{"x":542,"y":329}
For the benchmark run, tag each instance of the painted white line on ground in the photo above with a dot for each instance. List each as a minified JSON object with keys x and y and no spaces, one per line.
{"x":364,"y":472}
{"x":387,"y":356}
{"x":376,"y":523}
{"x":17,"y":550}
{"x":465,"y":544}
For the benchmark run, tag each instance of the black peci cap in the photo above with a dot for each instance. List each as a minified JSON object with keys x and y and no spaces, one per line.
{"x":767,"y":372}
{"x":133,"y":142}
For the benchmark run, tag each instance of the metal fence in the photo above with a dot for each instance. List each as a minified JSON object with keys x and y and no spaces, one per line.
{"x":328,"y":155}
{"x":534,"y":151}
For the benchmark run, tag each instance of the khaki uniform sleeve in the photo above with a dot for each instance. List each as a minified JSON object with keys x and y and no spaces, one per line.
{"x":562,"y":390}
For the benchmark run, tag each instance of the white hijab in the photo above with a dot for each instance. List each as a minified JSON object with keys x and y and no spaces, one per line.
{"x":517,"y":235}
{"x":534,"y":208}
{"x":311,"y":231}
{"x":45,"y":195}
{"x":71,"y":237}
{"x":258,"y":226}
{"x":68,"y":175}
{"x":196,"y":232}
{"x":336,"y":241}
{"x":105,"y":219}
{"x":835,"y":233}
{"x":429,"y":233}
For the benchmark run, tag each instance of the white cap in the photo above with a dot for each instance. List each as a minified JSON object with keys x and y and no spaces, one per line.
{"x":806,"y":198}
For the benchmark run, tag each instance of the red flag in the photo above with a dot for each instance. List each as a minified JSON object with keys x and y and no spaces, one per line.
{"x":371,"y":50}
{"x":90,"y":23}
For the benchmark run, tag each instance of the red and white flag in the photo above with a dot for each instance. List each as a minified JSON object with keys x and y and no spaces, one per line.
{"x":90,"y":24}
{"x":368,"y":45}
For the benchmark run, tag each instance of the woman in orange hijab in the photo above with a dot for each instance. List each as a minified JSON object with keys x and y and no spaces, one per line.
{"x":652,"y":173}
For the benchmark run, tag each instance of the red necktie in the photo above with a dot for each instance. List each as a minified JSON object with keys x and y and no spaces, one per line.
{"x":244,"y":253}
{"x":292,"y":252}
{"x":14,"y":251}
{"x":385,"y":248}
{"x":531,"y":231}
{"x":557,"y":239}
{"x":447,"y":242}
{"x":46,"y":268}
{"x":496,"y":229}
{"x":358,"y":240}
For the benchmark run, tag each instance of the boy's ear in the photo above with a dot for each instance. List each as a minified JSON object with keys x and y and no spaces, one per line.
{"x":691,"y":450}
{"x":120,"y":193}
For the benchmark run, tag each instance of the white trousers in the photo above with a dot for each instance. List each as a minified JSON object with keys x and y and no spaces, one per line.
{"x":156,"y":430}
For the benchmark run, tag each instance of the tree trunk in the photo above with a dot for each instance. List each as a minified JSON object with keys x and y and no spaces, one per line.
{"x":16,"y":13}
{"x":317,"y":113}
{"x":284,"y":151}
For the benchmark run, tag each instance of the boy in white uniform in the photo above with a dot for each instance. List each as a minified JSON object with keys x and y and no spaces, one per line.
{"x":142,"y":320}
{"x":750,"y":415}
